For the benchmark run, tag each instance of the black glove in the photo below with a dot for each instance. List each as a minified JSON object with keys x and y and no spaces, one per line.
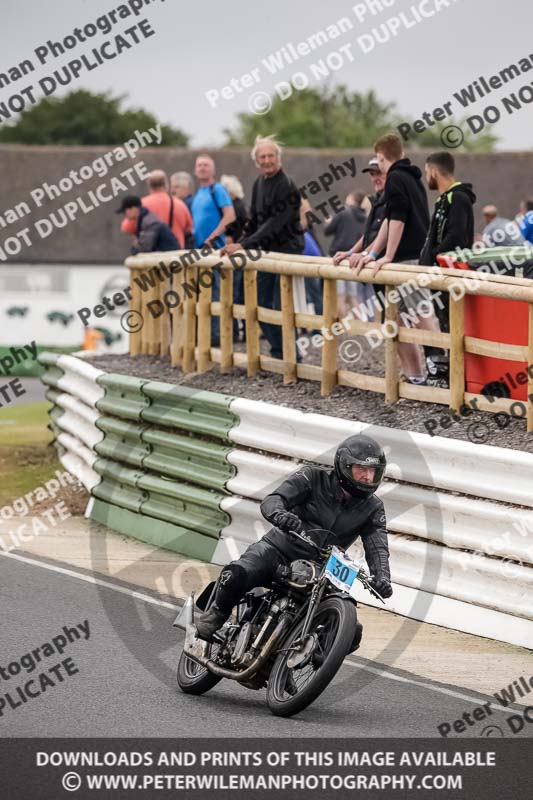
{"x":382,"y":586}
{"x":287,"y":521}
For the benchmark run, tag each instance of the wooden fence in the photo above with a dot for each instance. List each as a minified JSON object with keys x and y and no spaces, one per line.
{"x":172,"y":293}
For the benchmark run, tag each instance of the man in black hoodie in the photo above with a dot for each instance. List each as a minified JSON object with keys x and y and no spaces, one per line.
{"x":402,"y":236}
{"x":452,"y":226}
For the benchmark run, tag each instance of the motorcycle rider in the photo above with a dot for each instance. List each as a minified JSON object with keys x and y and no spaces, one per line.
{"x":341,"y":499}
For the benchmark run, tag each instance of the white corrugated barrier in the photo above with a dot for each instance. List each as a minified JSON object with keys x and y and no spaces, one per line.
{"x":460,"y":515}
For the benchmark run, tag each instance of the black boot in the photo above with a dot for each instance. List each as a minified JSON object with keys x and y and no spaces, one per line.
{"x":210,"y":621}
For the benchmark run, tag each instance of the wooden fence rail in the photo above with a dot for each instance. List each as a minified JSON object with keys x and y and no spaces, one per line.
{"x":171,"y":295}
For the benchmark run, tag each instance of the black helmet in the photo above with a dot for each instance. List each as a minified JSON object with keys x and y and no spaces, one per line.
{"x":366,"y":452}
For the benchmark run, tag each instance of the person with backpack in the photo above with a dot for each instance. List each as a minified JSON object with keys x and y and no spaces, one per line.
{"x":151,"y":235}
{"x":212,"y":212}
{"x":170,"y":210}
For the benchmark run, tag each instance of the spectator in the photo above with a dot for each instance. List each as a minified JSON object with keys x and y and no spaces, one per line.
{"x":452,"y":226}
{"x":347,"y":227}
{"x":274,"y":225}
{"x":212,"y":209}
{"x":233,"y":234}
{"x":402,"y":236}
{"x":151,"y":234}
{"x":236,"y":192}
{"x":526,"y":220}
{"x":371,"y":230}
{"x":212,"y":212}
{"x":313,"y":287}
{"x":170,"y":210}
{"x":365,"y":204}
{"x":499,"y":231}
{"x":181,"y":186}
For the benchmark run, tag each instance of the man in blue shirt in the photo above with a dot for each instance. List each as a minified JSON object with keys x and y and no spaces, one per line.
{"x":212,"y":211}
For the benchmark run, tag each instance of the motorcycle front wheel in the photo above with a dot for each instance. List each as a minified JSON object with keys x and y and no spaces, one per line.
{"x":290,"y":690}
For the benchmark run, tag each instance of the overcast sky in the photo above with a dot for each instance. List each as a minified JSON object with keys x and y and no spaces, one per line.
{"x":200,"y":46}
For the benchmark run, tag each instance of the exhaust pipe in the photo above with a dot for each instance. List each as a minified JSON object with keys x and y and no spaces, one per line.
{"x":252,"y":668}
{"x":186,"y":614}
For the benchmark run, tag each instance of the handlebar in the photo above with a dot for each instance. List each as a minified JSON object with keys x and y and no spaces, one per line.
{"x":324,"y":552}
{"x":321,"y":551}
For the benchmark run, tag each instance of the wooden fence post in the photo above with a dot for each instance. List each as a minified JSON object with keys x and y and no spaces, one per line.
{"x":204,"y":318}
{"x":189,"y":326}
{"x":164,"y":319}
{"x":392,"y":378}
{"x":288,"y":330}
{"x":252,"y":323}
{"x":136,"y":319}
{"x":329,"y":351}
{"x":457,"y":353}
{"x":226,"y":319}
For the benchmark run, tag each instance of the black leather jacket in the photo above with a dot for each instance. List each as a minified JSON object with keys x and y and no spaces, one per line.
{"x":316,"y":497}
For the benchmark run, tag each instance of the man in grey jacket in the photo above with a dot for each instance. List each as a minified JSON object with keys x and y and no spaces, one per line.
{"x":152,"y":235}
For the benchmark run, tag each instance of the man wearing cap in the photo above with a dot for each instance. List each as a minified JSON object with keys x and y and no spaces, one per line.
{"x":152,"y":235}
{"x":373,"y":221}
{"x":375,"y":217}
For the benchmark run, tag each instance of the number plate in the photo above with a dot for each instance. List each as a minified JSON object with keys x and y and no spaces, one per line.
{"x":341,"y":570}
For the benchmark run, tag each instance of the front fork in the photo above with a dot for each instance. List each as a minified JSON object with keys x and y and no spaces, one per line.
{"x":314,"y":602}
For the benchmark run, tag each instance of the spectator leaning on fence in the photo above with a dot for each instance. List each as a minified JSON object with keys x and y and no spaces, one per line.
{"x":182,"y":186}
{"x":151,"y":234}
{"x":274,"y":225}
{"x":212,"y":212}
{"x":170,"y":210}
{"x":402,"y":235}
{"x":451,"y":227}
{"x":373,"y":222}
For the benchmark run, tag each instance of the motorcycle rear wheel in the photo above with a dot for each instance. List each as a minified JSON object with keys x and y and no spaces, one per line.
{"x":335,"y":626}
{"x":193,"y":678}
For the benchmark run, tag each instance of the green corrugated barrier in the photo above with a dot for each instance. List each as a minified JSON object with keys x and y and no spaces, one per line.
{"x":162,"y":460}
{"x":123,"y":396}
{"x":154,"y":531}
{"x":195,"y":411}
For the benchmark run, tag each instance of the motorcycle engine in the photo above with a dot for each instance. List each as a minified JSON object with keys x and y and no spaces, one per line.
{"x":303,"y":573}
{"x":241,"y":645}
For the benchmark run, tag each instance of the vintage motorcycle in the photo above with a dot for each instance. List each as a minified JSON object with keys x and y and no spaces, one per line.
{"x":291,"y":638}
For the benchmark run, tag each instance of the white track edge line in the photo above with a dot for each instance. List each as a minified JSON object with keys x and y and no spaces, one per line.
{"x":147,"y":599}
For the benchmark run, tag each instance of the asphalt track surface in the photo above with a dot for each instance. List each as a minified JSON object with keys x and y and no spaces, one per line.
{"x":126,"y":681}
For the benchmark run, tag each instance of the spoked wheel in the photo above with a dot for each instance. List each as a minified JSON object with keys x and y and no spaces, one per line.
{"x":298,"y":677}
{"x":192,"y":677}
